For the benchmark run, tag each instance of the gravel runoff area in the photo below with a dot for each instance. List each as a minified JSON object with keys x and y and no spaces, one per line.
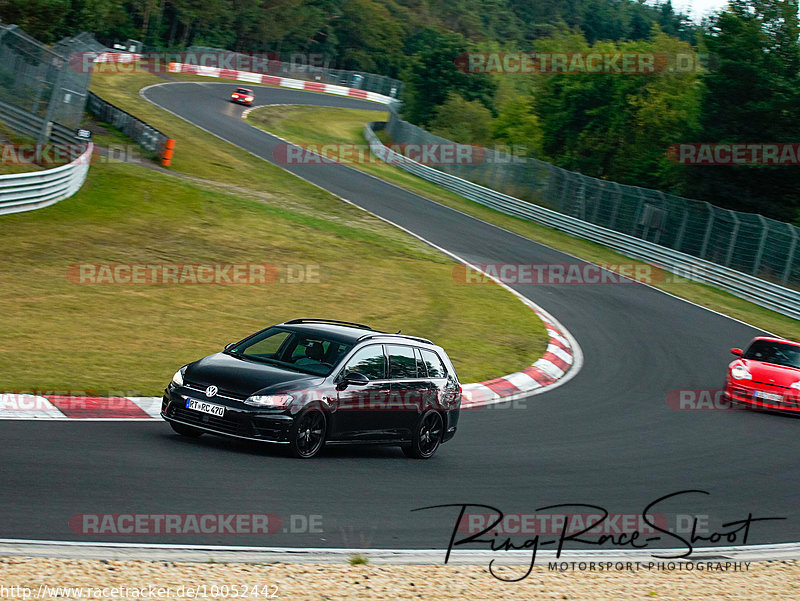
{"x":40,"y":578}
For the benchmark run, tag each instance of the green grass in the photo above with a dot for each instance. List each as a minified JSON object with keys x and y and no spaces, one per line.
{"x":10,"y":155}
{"x":312,"y":125}
{"x":358,"y":560}
{"x":129,"y":338}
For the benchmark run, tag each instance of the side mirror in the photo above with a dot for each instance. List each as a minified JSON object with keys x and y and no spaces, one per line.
{"x":737,"y":351}
{"x":354,"y":378}
{"x":229,"y":346}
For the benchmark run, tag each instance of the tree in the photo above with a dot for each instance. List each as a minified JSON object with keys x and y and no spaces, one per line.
{"x":752,"y":96}
{"x":463,"y":121}
{"x":432,"y":76}
{"x":618,"y":126}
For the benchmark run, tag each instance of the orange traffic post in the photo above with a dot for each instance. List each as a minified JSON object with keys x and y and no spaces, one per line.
{"x":166,"y":156}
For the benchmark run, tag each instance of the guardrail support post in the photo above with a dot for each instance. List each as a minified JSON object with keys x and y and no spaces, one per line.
{"x":734,"y":235}
{"x":790,"y":257}
{"x":55,"y":94}
{"x":707,"y":237}
{"x":682,"y":230}
{"x":761,"y":244}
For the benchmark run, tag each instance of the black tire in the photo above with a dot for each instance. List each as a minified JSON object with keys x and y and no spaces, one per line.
{"x":307,"y":436}
{"x":427,"y":436}
{"x":184,"y":430}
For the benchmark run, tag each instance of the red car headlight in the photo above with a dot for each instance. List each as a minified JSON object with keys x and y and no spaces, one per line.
{"x":740,"y":372}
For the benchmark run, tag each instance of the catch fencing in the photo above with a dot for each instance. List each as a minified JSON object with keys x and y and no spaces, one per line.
{"x":40,"y":81}
{"x":767,"y":294}
{"x":744,"y":242}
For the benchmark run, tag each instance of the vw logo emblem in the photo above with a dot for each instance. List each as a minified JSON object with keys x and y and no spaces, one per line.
{"x":211,"y":391}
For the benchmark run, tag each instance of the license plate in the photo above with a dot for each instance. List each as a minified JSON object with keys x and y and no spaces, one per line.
{"x":204,"y":407}
{"x":768,"y":396}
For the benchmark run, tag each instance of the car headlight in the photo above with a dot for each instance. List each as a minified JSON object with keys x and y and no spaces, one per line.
{"x":177,"y":379}
{"x":740,"y":372}
{"x":796,"y":385}
{"x":277,"y":401}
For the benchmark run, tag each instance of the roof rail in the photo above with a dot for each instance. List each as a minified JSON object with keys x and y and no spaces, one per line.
{"x":331,"y":321}
{"x":386,"y":334}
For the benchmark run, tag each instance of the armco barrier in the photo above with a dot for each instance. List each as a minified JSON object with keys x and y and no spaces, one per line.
{"x":37,"y":189}
{"x":766,"y":294}
{"x":148,"y":136}
{"x":272,"y":80}
{"x":28,"y":125}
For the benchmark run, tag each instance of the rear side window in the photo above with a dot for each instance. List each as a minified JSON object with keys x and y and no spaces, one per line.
{"x":368,"y":361}
{"x":434,"y":364}
{"x":402,"y":362}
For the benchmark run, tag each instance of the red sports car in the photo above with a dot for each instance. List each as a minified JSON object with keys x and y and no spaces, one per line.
{"x":242,"y":96}
{"x":766,"y":375}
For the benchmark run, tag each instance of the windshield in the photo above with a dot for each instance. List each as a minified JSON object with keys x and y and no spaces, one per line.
{"x":777,"y":353}
{"x":307,"y":353}
{"x":242,"y":91}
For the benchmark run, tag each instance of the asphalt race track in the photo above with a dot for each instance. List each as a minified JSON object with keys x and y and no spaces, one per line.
{"x":607,"y":437}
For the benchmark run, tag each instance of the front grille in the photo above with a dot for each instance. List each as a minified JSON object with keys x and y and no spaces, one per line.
{"x":225,"y":394}
{"x":220,"y":424}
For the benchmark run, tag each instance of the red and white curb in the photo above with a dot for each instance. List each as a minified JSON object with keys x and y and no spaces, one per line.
{"x":15,"y":406}
{"x":284,"y":82}
{"x":557,"y":361}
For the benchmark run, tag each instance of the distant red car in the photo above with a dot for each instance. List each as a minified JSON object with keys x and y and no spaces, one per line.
{"x":242,"y":96}
{"x":766,"y":375}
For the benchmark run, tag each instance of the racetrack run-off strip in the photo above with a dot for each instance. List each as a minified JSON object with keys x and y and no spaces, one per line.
{"x":546,"y":371}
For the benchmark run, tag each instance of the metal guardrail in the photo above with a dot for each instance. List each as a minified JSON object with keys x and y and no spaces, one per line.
{"x":29,"y":125}
{"x":766,"y":294}
{"x":136,"y":129}
{"x":38,"y":189}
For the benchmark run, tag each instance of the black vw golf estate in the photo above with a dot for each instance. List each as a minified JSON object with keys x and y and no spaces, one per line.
{"x":311,"y":382}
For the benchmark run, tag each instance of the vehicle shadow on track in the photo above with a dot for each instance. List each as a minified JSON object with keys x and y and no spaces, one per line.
{"x":281,"y":451}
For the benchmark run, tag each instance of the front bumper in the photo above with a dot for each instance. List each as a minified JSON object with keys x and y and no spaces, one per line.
{"x":744,"y":395}
{"x":237,"y":423}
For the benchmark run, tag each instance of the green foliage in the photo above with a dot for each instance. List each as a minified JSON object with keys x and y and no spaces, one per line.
{"x":753,"y":95}
{"x":41,"y":19}
{"x":518,"y":126}
{"x":432,"y":76}
{"x":618,"y":126}
{"x":466,"y":121}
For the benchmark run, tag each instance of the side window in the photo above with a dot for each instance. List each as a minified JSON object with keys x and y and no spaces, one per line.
{"x":421,"y":369}
{"x":368,"y":361}
{"x":434,"y":364}
{"x":402,"y":362}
